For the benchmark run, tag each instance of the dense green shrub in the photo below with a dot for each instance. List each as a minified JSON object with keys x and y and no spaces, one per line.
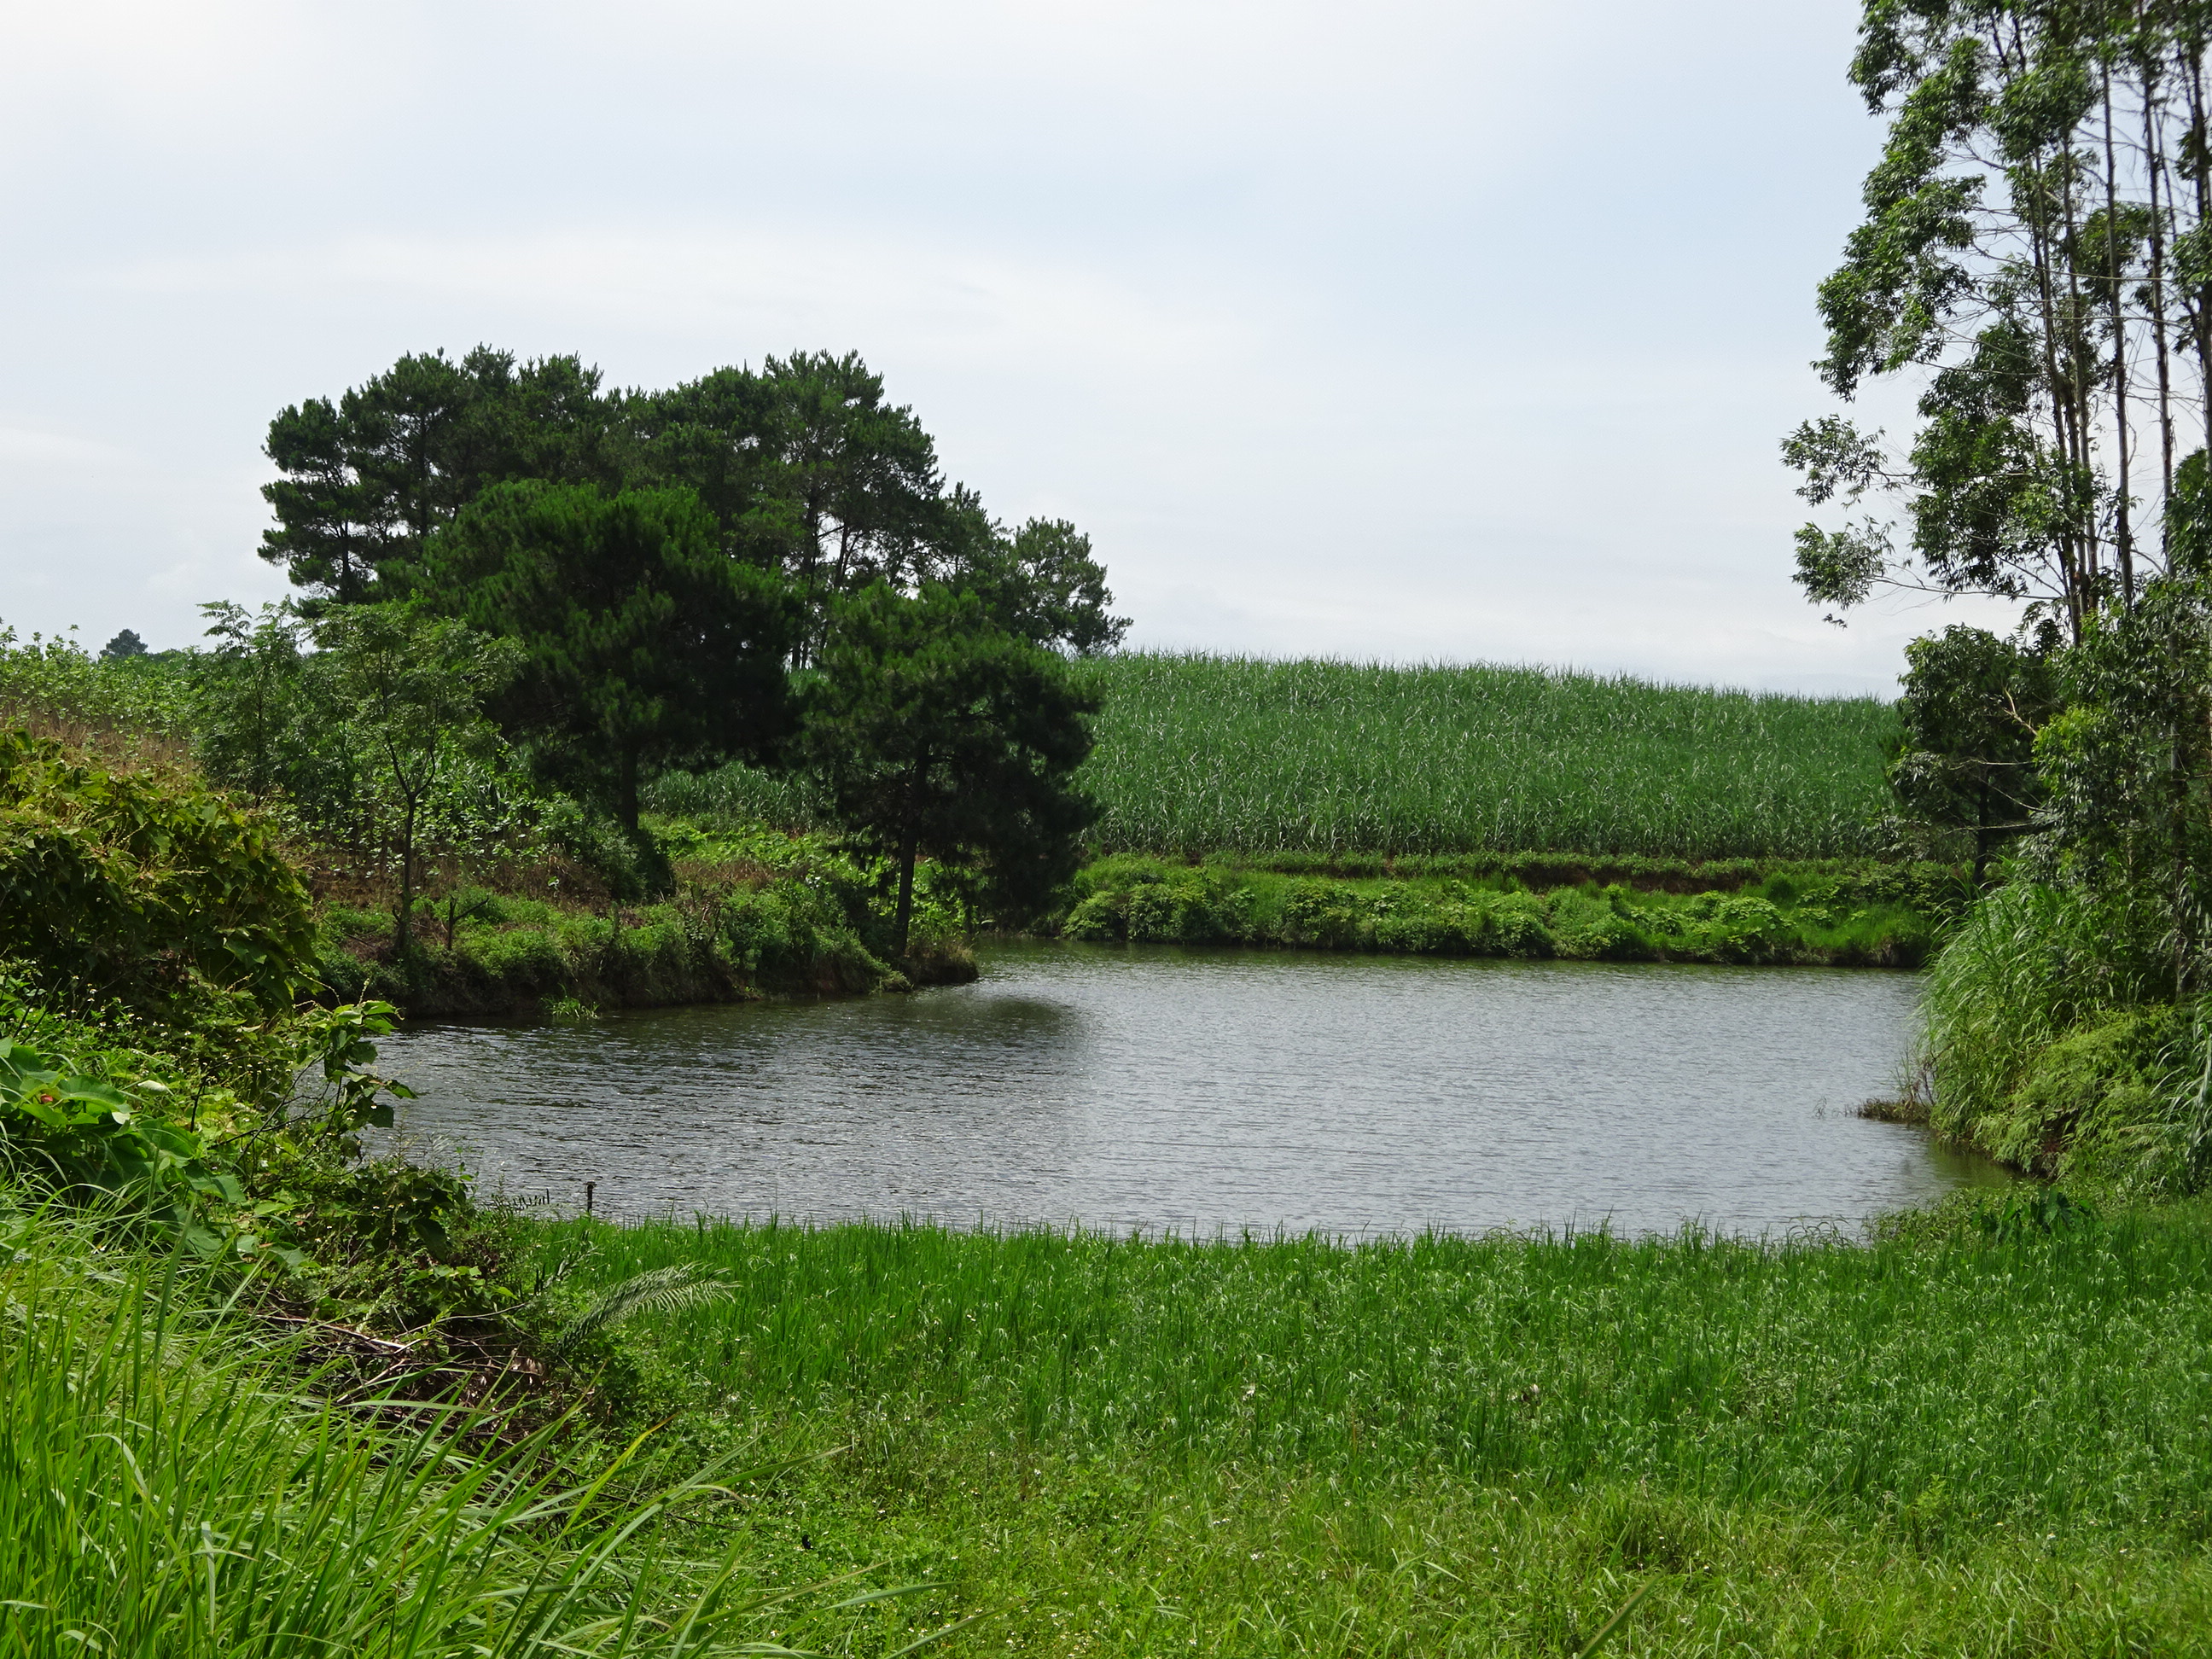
{"x":1814,"y":918}
{"x":145,"y":889}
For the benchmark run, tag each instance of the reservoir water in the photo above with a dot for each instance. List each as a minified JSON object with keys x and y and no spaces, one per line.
{"x":1207,"y":1090}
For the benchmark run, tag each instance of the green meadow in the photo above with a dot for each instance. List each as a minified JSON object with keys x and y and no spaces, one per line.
{"x":1971,"y":1436}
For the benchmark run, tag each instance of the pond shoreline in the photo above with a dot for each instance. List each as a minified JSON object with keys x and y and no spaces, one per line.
{"x":1209,"y":1089}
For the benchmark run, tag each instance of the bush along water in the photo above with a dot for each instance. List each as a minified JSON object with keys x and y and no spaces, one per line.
{"x":744,"y":915}
{"x":2070,"y":1018}
{"x":1859,"y":916}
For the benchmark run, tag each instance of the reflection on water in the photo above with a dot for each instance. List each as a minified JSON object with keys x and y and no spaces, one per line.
{"x":1199,"y":1090}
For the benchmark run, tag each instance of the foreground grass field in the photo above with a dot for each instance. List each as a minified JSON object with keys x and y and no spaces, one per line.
{"x":1952,"y":1442}
{"x":1204,"y":754}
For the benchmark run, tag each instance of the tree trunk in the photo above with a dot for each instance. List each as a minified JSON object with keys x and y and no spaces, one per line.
{"x":403,"y":937}
{"x":903,"y":918}
{"x":909,"y":848}
{"x":2158,"y":325}
{"x":2123,"y":531}
{"x":626,"y":791}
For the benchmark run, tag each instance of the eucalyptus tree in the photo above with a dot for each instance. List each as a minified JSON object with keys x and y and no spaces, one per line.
{"x":2037,"y":250}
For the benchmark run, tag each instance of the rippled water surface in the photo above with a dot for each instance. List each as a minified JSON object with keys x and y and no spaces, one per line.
{"x":1162,"y":1088}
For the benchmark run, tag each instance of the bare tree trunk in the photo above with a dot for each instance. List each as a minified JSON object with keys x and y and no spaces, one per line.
{"x":402,"y":937}
{"x":2199,"y":304}
{"x":2155,"y":162}
{"x":2124,"y":537}
{"x":2060,"y":414}
{"x":909,"y":849}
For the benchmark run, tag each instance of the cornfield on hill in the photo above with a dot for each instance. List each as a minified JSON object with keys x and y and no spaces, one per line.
{"x":1200,"y":754}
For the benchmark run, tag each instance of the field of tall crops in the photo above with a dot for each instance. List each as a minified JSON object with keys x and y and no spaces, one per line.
{"x":1200,"y":754}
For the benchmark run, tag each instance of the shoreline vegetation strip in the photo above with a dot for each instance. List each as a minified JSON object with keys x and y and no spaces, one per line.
{"x":768,"y":934}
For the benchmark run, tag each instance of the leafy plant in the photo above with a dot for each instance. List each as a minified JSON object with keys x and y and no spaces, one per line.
{"x":91,"y":1139}
{"x":658,"y":1290}
{"x":145,"y":889}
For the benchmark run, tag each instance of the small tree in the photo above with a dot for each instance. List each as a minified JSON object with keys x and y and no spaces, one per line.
{"x":414,"y":688}
{"x":1973,"y":705}
{"x":252,"y":696}
{"x":938,"y":733}
{"x":125,"y":644}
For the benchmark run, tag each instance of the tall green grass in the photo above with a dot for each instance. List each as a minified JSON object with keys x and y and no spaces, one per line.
{"x":1940,"y":1444}
{"x":166,"y":1489}
{"x":1199,"y":753}
{"x":2058,"y":1382}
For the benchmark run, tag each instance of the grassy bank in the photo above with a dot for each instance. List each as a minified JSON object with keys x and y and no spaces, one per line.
{"x":178,"y":1478}
{"x":1847,"y":914}
{"x":1966,"y":1440}
{"x":1203,"y":754}
{"x":750,"y":913}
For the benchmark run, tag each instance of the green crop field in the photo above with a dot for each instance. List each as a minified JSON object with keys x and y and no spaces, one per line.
{"x":1206,"y":754}
{"x":1201,"y":754}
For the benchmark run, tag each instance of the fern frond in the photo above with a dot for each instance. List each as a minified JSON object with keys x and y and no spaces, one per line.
{"x":660,"y":1290}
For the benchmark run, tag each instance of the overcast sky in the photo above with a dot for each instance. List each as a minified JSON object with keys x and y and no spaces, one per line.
{"x":1418,"y":330}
